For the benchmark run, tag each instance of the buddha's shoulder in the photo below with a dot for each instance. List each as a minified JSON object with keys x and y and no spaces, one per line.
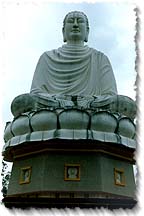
{"x":98,"y":54}
{"x":49,"y":52}
{"x":45,"y":54}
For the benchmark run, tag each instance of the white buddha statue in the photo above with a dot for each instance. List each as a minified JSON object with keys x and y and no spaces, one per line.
{"x":74,"y":69}
{"x":72,"y":75}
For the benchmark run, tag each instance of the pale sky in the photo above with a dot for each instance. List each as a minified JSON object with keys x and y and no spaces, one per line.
{"x":30,"y":29}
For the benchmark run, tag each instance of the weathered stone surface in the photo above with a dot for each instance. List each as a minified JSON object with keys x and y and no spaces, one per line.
{"x":103,"y":121}
{"x":21,"y":125}
{"x":72,"y":124}
{"x":43,"y":120}
{"x":74,"y":119}
{"x":22,"y":103}
{"x":124,"y":105}
{"x":126,"y":127}
{"x":7,"y":132}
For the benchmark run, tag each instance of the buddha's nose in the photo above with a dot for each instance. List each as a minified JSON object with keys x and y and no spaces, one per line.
{"x":75,"y":23}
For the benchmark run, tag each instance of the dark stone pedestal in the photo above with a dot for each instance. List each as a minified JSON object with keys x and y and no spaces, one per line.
{"x":71,"y":173}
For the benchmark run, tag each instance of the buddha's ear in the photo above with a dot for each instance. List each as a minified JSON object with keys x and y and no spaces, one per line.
{"x":64,"y":37}
{"x":86,"y":36}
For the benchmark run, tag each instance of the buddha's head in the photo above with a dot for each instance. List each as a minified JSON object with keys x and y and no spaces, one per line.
{"x":75,"y":27}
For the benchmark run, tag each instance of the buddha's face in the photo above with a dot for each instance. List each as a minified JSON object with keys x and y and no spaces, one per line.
{"x":75,"y":29}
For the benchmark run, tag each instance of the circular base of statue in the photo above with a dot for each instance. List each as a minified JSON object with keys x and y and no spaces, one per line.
{"x":70,"y":124}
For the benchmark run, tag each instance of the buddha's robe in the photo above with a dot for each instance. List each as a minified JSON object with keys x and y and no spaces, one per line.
{"x":73,"y":70}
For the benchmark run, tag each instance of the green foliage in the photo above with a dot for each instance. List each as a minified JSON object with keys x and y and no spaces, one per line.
{"x":5,"y":178}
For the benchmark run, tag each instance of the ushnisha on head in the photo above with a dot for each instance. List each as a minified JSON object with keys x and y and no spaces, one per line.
{"x":75,"y":28}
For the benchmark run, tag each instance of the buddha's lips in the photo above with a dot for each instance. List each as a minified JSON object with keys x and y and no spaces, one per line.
{"x":75,"y":30}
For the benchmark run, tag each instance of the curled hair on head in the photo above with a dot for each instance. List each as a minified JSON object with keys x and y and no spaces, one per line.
{"x":64,"y":21}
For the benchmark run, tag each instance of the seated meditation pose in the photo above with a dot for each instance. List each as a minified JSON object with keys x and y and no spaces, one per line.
{"x":73,"y":75}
